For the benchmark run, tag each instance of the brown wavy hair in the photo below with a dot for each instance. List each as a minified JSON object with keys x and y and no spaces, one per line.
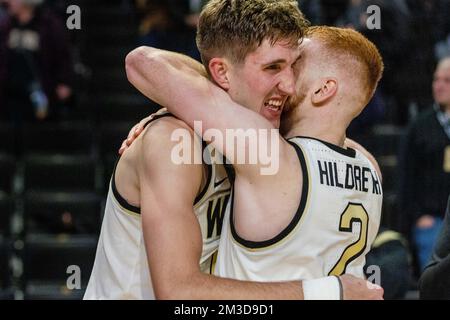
{"x":235,"y":28}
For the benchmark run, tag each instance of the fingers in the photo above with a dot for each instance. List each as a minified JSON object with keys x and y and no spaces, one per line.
{"x":132,"y":131}
{"x":122,"y":147}
{"x":138,"y":131}
{"x":376,"y":290}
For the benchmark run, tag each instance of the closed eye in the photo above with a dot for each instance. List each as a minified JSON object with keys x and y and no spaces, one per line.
{"x":274,"y":67}
{"x":296,"y":62}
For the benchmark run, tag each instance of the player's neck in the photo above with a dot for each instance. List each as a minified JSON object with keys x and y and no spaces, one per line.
{"x":323,"y":129}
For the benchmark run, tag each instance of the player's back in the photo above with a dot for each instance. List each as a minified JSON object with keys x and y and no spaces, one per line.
{"x":336,"y":220}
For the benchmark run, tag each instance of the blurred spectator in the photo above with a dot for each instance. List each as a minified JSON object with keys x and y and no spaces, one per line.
{"x":171,"y":25}
{"x":35,"y":63}
{"x":3,"y":13}
{"x":425,"y":168}
{"x":431,"y":24}
{"x":435,"y":280}
{"x":390,"y":253}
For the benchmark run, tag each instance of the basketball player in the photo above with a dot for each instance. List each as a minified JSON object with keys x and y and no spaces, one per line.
{"x":153,"y":238}
{"x":297,"y":222}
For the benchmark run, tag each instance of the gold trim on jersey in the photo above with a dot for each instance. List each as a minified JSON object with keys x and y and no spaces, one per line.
{"x":353,"y":212}
{"x":213,"y":262}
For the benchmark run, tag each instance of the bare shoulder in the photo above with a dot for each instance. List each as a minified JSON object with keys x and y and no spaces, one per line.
{"x":166,"y":158}
{"x":169,"y":144}
{"x":354,"y":145}
{"x":164,"y":129}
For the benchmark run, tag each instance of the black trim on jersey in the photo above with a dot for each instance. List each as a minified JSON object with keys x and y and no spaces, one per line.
{"x":137,"y":210}
{"x":208,"y":180}
{"x":117,"y":195}
{"x":229,"y":169}
{"x":158,"y":116}
{"x":295,"y":220}
{"x":349,"y":152}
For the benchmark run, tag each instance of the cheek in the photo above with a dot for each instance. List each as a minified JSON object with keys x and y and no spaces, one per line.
{"x":300,"y":87}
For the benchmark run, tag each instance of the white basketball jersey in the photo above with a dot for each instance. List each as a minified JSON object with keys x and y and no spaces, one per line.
{"x":336,"y":222}
{"x":121,"y":269}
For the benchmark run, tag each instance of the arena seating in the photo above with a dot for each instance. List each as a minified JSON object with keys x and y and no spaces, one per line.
{"x":62,"y":138}
{"x":4,"y":264}
{"x":60,"y":173}
{"x":7,"y":171}
{"x":62,"y":212}
{"x":48,"y":280}
{"x":6,"y":211}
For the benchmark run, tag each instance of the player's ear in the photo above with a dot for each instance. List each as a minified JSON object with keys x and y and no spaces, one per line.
{"x":325,"y":89}
{"x":219,"y":72}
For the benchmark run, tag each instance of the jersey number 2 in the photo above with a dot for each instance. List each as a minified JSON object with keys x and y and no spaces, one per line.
{"x":354,"y":212}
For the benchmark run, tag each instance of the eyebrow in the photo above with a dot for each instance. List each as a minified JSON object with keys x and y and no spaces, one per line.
{"x":274,"y":62}
{"x":281,"y":61}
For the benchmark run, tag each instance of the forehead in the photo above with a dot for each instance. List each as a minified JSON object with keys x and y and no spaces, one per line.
{"x":281,"y":51}
{"x":443,"y":70}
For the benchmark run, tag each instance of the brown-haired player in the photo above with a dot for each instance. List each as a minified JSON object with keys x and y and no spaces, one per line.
{"x":162,"y":221}
{"x":317,"y":215}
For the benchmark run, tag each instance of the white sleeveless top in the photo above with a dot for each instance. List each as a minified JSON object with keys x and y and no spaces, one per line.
{"x":336,"y":222}
{"x":121,"y":269}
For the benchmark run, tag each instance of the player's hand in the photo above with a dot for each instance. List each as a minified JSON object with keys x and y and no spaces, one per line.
{"x":137,"y":130}
{"x":359,"y":289}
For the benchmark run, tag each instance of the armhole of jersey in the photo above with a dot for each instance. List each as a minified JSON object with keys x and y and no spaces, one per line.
{"x":295,"y":220}
{"x":117,"y":195}
{"x":208,"y":180}
{"x":122,"y":202}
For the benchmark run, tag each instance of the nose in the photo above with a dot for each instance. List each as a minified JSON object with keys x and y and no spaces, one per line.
{"x":287,"y":82}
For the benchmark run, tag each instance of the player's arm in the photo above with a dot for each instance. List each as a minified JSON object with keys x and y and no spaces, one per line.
{"x":176,"y":82}
{"x":171,"y":80}
{"x":172,"y":233}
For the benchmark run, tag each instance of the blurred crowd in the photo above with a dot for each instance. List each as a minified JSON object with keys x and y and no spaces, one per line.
{"x":413,"y":35}
{"x":36,"y":69}
{"x":38,"y":84}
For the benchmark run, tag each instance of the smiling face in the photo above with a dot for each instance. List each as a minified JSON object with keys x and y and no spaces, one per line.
{"x":265,"y":80}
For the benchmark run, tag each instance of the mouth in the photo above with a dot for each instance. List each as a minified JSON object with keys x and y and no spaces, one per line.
{"x":273,"y":108}
{"x":274,"y":105}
